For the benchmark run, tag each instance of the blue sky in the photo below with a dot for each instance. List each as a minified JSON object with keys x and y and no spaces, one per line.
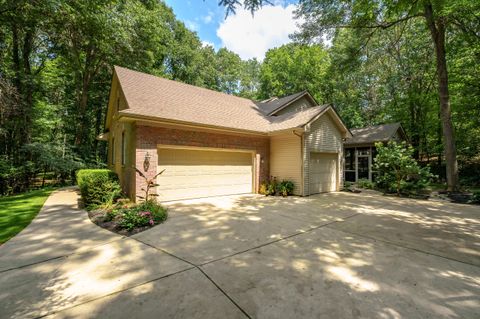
{"x":241,"y":33}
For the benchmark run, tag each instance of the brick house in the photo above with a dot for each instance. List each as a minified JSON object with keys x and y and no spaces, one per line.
{"x":210,"y":143}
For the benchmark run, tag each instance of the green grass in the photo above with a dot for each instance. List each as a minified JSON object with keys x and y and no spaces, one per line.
{"x":17,"y":211}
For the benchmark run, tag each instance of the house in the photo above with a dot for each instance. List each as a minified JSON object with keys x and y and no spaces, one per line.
{"x":360,"y":149}
{"x":210,"y":143}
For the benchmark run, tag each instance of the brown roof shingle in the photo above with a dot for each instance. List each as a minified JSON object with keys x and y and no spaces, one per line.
{"x":156,"y":97}
{"x":372,"y":134}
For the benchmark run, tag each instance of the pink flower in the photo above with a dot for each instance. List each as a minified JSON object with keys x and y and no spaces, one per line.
{"x":143,"y":214}
{"x":151,"y":222}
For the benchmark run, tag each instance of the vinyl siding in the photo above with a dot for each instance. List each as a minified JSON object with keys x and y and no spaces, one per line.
{"x":322,"y":136}
{"x":296,"y":106}
{"x":286,"y":159}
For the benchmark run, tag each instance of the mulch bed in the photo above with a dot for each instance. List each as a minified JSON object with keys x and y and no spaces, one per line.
{"x":97,"y":217}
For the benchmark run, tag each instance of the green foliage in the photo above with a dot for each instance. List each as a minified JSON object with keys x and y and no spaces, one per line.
{"x":397,"y":170}
{"x":293,"y":68}
{"x":365,"y":183}
{"x":56,"y":68}
{"x":475,"y":198}
{"x":285,"y":188}
{"x":98,"y":187}
{"x":147,"y":213}
{"x":269,"y":187}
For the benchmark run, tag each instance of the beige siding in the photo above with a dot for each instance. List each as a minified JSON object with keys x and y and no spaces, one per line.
{"x":322,"y":136}
{"x":286,"y":159}
{"x":298,"y":105}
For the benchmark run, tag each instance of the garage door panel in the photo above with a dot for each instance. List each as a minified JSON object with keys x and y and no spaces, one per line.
{"x":323,"y":172}
{"x":198,"y":173}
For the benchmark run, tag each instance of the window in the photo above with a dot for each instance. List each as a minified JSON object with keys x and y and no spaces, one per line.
{"x":113,"y":150}
{"x":350,"y":159}
{"x":124,"y":149}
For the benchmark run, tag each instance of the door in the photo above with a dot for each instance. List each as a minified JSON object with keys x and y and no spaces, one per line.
{"x":323,"y":174}
{"x":195,"y":173}
{"x":363,"y":167}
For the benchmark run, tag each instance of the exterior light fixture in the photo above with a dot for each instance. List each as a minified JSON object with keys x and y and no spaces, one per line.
{"x":146,"y":162}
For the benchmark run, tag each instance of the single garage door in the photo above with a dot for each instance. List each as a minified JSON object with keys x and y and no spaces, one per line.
{"x":203,"y":173}
{"x":323,"y":172}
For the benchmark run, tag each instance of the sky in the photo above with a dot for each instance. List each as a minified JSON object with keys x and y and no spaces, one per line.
{"x":249,"y":37}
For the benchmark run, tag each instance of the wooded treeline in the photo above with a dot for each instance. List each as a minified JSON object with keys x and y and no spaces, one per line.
{"x":56,"y":59}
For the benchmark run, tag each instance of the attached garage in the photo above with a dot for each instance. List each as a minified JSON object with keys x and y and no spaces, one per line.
{"x":323,"y":175}
{"x":195,"y":173}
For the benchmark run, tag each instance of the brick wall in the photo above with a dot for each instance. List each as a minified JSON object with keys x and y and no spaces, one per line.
{"x":148,"y":137}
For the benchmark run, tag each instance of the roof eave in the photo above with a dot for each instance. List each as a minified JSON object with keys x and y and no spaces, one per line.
{"x":127,"y":116}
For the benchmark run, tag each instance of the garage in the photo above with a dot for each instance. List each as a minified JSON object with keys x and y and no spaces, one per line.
{"x":195,"y":173}
{"x":323,"y":172}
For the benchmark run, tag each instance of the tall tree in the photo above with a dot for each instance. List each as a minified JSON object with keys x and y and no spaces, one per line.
{"x":321,"y":17}
{"x":292,"y":68}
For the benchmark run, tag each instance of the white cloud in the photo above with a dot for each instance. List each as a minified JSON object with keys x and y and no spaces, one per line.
{"x":251,"y":36}
{"x":192,"y":26}
{"x":208,"y":43}
{"x":208,"y":18}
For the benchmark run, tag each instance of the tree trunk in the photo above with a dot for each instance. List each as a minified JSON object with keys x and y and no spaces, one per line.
{"x":82,"y":108}
{"x":437,"y":30}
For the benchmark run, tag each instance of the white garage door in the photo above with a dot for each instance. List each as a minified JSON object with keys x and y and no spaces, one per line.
{"x":199,"y":173}
{"x":323,"y":172}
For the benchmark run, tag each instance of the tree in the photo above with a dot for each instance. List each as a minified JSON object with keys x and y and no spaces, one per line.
{"x":321,"y":17}
{"x":293,"y":68}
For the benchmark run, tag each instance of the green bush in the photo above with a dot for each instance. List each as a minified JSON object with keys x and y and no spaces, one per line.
{"x":285,"y":188}
{"x":397,"y":170}
{"x":475,"y":198}
{"x":98,"y":187}
{"x":147,"y":213}
{"x":365,"y":183}
{"x":268,"y":188}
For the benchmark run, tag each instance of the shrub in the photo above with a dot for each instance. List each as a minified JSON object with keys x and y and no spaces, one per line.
{"x":397,"y":170}
{"x":475,"y":198}
{"x":269,"y":187}
{"x":147,"y":213}
{"x":285,"y":188}
{"x":98,"y":187}
{"x":365,"y":183}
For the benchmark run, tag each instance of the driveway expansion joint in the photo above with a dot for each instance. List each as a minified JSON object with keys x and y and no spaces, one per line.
{"x":404,"y":247}
{"x":114,"y":292}
{"x":194,"y":266}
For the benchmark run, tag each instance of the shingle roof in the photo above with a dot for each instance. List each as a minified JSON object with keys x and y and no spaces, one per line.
{"x":372,"y":134}
{"x":156,"y":97}
{"x":271,"y":105}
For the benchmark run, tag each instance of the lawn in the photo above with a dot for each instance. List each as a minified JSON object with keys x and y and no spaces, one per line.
{"x":17,"y":211}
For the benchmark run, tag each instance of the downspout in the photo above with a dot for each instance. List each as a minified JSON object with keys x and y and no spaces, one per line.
{"x":301,"y":157}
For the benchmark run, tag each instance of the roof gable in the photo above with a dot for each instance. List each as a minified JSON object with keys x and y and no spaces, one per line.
{"x":274,"y":105}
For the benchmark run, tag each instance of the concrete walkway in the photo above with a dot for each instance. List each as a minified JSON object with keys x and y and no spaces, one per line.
{"x":335,"y":255}
{"x":62,"y":259}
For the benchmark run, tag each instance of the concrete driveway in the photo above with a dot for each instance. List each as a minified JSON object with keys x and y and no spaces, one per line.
{"x":336,"y":255}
